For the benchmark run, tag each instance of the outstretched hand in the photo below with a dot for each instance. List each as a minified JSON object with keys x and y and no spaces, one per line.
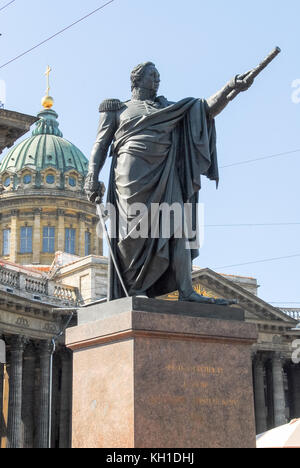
{"x":242,"y":83}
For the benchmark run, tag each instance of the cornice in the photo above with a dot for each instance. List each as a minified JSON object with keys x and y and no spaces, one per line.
{"x":16,"y":119}
{"x":47,"y":201}
{"x":44,"y":192}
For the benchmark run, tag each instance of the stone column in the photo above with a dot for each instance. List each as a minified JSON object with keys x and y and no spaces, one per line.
{"x":36,"y":396}
{"x":4,"y":394}
{"x":56,"y":391}
{"x":14,"y":424}
{"x":36,"y":240}
{"x":61,"y":231}
{"x":1,"y":399}
{"x":2,"y":425}
{"x":278,"y":390}
{"x":259,"y":394}
{"x":65,"y":400}
{"x":42,"y":436}
{"x":81,"y":239}
{"x":28,"y":396}
{"x":294,"y":382}
{"x":270,"y":403}
{"x":14,"y":236}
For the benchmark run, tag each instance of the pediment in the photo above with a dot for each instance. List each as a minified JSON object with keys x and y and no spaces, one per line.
{"x":209,"y":283}
{"x":255,"y":307}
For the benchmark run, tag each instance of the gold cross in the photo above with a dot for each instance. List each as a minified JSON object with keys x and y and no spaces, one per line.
{"x":48,"y":81}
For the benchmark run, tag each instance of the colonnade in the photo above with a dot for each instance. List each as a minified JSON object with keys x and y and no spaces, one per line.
{"x":276,"y":390}
{"x":24,"y":412}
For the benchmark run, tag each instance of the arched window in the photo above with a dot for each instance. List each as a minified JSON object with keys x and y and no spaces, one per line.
{"x":72,"y":181}
{"x":27,"y":179}
{"x":50,"y":179}
{"x":7,"y":182}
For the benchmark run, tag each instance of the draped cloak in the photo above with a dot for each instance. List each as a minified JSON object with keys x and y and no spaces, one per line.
{"x":157,"y":158}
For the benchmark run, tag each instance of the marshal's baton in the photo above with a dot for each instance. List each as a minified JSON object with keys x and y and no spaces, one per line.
{"x":256,"y":71}
{"x":100,"y":211}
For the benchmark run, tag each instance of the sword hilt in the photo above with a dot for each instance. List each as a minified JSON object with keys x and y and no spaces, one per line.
{"x":98,"y":194}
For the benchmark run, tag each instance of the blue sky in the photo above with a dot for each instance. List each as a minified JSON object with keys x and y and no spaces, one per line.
{"x":197,"y":47}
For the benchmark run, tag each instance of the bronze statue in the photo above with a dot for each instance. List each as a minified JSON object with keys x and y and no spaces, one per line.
{"x":159,"y":151}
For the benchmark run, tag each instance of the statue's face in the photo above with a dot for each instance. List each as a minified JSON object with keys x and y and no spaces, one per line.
{"x":151,"y":79}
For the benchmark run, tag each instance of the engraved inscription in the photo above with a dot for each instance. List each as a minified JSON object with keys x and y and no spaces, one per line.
{"x":204,"y":370}
{"x":196,"y":402}
{"x":199,"y":386}
{"x":216,"y":402}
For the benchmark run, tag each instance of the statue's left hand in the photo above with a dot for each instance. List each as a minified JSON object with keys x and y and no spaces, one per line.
{"x":94,"y":189}
{"x":242,"y":83}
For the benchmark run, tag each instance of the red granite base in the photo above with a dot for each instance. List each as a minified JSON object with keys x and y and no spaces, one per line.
{"x":154,"y":380}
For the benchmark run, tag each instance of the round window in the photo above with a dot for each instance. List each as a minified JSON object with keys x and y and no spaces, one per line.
{"x":50,"y":179}
{"x":27,"y":179}
{"x":72,"y":181}
{"x":7,"y":182}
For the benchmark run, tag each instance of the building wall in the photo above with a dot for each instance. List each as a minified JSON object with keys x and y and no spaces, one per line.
{"x":89,"y":275}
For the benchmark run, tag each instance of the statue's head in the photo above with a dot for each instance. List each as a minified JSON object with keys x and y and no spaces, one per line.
{"x":145,"y":76}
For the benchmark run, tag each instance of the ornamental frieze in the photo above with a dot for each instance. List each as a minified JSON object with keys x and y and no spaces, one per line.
{"x":32,"y":326}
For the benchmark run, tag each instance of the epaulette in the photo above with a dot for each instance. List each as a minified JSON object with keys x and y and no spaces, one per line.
{"x":110,"y":105}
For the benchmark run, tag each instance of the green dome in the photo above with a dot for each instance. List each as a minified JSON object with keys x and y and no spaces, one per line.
{"x":45,"y":149}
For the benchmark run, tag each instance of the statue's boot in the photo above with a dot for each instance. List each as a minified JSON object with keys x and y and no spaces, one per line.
{"x":225,"y":302}
{"x":142,"y":294}
{"x":182,"y":265}
{"x":194,"y":297}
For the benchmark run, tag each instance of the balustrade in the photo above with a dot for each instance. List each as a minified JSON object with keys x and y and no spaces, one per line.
{"x":44,"y":287}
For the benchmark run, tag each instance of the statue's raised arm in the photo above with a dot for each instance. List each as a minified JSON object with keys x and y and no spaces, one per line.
{"x":240,"y":83}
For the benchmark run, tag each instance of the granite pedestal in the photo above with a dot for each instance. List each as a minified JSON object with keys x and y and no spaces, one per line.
{"x":158,"y":374}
